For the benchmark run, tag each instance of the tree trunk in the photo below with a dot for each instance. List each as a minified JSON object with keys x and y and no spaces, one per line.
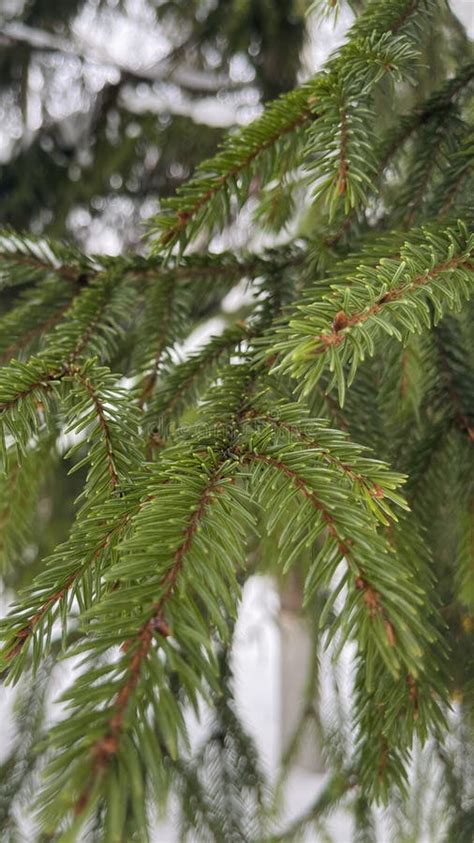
{"x":297,"y":653}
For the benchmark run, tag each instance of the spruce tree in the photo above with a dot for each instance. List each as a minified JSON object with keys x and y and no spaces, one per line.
{"x":329,"y":430}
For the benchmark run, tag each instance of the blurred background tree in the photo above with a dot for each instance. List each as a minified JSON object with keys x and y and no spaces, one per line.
{"x":107,"y":106}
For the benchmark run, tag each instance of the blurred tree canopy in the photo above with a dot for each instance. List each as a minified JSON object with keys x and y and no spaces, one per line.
{"x":85,"y":126}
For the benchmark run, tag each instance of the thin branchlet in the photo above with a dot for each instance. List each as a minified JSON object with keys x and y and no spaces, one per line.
{"x":343,"y":321}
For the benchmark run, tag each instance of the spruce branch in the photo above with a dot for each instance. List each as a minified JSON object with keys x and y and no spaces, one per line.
{"x":437,"y":114}
{"x":456,"y":180}
{"x":280,"y":132}
{"x":450,"y":364}
{"x":25,"y":258}
{"x":32,"y":318}
{"x":137,"y":649}
{"x":149,"y":381}
{"x":394,"y":297}
{"x":338,"y":151}
{"x":228,"y":766}
{"x":20,"y":488}
{"x":439,"y":107}
{"x":103,"y":421}
{"x":191,"y":209}
{"x":182,"y":383}
{"x":371,"y":597}
{"x":67,"y":574}
{"x":16,"y":779}
{"x":138,"y":656}
{"x":361,"y":473}
{"x":164,"y":325}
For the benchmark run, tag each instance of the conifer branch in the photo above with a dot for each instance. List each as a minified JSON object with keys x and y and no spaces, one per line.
{"x":19,"y":491}
{"x":205,"y":199}
{"x":439,"y":105}
{"x":44,"y":381}
{"x":355,"y":476}
{"x":342,"y":320}
{"x":184,"y":378}
{"x":99,"y":408}
{"x":25,"y":258}
{"x":295,"y":114}
{"x":105,"y":748}
{"x":392,"y":297}
{"x":22,"y":624}
{"x":371,"y":597}
{"x":16,"y":770}
{"x":458,"y":173}
{"x":439,"y":110}
{"x":23,"y":635}
{"x":33,"y":333}
{"x":38,"y":265}
{"x":139,"y":644}
{"x":461,"y":418}
{"x":149,"y":382}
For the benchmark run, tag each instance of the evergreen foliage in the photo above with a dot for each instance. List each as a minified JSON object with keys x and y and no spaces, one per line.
{"x":328,"y":429}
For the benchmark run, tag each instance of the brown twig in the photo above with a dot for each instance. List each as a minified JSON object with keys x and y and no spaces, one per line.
{"x":336,"y":336}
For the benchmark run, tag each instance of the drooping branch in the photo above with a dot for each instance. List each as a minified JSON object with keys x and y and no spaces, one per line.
{"x":86,"y":383}
{"x":27,"y":629}
{"x":372,"y":598}
{"x":374,"y":489}
{"x":106,"y":747}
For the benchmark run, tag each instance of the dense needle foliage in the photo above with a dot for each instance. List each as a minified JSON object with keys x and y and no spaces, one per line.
{"x":329,"y":430}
